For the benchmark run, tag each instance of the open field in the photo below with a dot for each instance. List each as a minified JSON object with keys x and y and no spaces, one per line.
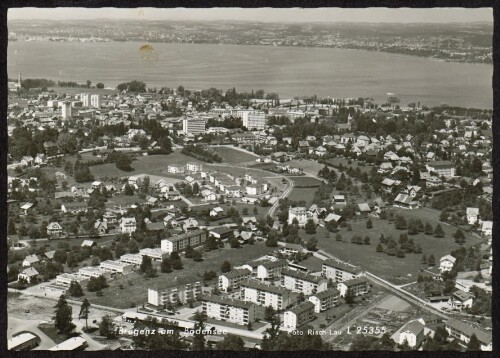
{"x":380,"y":263}
{"x":306,"y":194}
{"x":345,"y":162}
{"x":234,"y":156}
{"x":303,"y":181}
{"x":135,"y":285}
{"x":308,"y":166}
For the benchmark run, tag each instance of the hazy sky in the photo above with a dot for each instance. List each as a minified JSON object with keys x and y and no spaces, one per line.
{"x":404,"y":15}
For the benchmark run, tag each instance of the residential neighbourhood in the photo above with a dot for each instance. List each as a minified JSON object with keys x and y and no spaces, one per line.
{"x":352,"y":222}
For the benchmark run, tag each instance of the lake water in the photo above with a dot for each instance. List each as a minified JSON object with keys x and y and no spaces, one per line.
{"x":288,"y":71}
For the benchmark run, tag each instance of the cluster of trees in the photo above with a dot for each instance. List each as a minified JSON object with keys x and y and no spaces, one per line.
{"x":171,"y":341}
{"x":200,"y":153}
{"x":403,"y":246}
{"x":42,"y":83}
{"x":228,"y":122}
{"x":132,"y":86}
{"x":357,"y":239}
{"x":327,"y":174}
{"x":97,"y":283}
{"x":174,"y":261}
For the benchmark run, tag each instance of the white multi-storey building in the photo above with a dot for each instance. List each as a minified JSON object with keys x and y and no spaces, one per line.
{"x":85,"y":98}
{"x":266,"y":295}
{"x":95,"y":100}
{"x":299,"y":213}
{"x":230,"y":310}
{"x":301,"y":282}
{"x":180,"y":242}
{"x":231,"y":280}
{"x":194,"y":125}
{"x":254,"y":120}
{"x":194,"y":167}
{"x":325,"y":299}
{"x":339,"y":271}
{"x":298,"y":315}
{"x":128,"y":225}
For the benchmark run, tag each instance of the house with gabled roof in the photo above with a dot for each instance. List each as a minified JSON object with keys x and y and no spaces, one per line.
{"x":30,"y":260}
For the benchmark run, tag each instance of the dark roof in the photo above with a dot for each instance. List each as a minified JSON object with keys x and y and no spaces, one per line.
{"x":236,"y":273}
{"x":301,"y":276}
{"x":355,"y":281}
{"x":304,"y":306}
{"x":227,"y":302}
{"x":327,"y":293}
{"x":273,"y":264}
{"x":342,"y":266}
{"x":483,"y":336}
{"x":264,"y":287}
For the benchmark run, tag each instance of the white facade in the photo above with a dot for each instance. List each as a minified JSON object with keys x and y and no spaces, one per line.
{"x":66,"y":110}
{"x":95,"y":100}
{"x":194,"y":125}
{"x":254,"y":120}
{"x":128,"y":225}
{"x":116,"y":267}
{"x":299,"y":213}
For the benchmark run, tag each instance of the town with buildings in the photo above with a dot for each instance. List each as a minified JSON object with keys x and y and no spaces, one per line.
{"x":161,"y":204}
{"x":165,"y":218}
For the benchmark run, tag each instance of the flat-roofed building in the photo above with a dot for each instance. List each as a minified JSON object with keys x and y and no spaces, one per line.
{"x":90,"y":271}
{"x":180,"y":242}
{"x":72,"y":344}
{"x":325,"y":299}
{"x":266,"y":294}
{"x":254,"y":120}
{"x":339,"y":271}
{"x":302,"y":282}
{"x":160,"y":297}
{"x":116,"y":267}
{"x":155,"y":254}
{"x":65,"y":279}
{"x":194,"y":125}
{"x":298,"y":316}
{"x":131,"y":259}
{"x":229,"y":310}
{"x":231,"y":280}
{"x":23,"y":342}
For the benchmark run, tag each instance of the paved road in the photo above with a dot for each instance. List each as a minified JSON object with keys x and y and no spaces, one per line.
{"x":282,"y":196}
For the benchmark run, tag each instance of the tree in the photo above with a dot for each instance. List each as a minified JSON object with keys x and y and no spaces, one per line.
{"x":367,"y":240}
{"x":197,"y":256}
{"x":310,"y":227}
{"x":11,"y":227}
{"x":63,"y":318}
{"x":369,"y":224}
{"x":99,"y":85}
{"x":428,"y":229}
{"x":438,"y":231}
{"x":424,"y":259}
{"x":400,"y":222}
{"x":166,"y":265}
{"x":231,"y":343}
{"x":188,"y":253}
{"x":459,"y":237}
{"x":107,"y":327}
{"x":431,"y":261}
{"x":349,"y":296}
{"x":473,"y":344}
{"x":146,"y":264}
{"x":338,"y":237}
{"x":225,"y":267}
{"x":311,"y":244}
{"x":75,"y":290}
{"x":199,"y":337}
{"x":380,"y":248}
{"x":84,"y":312}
